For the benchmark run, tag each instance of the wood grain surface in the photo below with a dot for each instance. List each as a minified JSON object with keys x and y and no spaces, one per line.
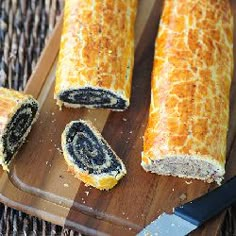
{"x":40,"y":173}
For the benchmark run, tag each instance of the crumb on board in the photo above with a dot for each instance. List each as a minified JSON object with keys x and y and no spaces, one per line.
{"x":189,"y":182}
{"x":86,"y":192}
{"x":53,"y":113}
{"x":173,"y":189}
{"x":59,"y":150}
{"x":66,"y":185}
{"x":183,"y":197}
{"x":124,"y":119}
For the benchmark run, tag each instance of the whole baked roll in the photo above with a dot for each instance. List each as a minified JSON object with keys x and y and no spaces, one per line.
{"x":96,"y":54}
{"x":191,"y":78}
{"x":17,"y":114}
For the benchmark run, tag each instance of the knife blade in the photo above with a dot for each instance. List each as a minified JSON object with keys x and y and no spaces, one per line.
{"x":193,"y":214}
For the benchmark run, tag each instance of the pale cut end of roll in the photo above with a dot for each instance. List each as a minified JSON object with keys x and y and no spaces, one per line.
{"x":18,"y":112}
{"x":92,"y":97}
{"x":186,"y":166}
{"x":89,"y":157}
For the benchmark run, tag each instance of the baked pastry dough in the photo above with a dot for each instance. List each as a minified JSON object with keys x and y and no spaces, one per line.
{"x":89,"y":157}
{"x":96,"y":54}
{"x":192,"y":72}
{"x":17,"y":114}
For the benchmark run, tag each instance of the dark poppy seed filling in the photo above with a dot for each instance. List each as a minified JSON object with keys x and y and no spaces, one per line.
{"x":17,"y":127}
{"x":89,"y":152}
{"x":97,"y":98}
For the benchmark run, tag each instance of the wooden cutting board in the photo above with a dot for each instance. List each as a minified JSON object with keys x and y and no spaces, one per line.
{"x":39,"y":183}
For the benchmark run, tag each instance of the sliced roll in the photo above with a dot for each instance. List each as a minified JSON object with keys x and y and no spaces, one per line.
{"x":89,"y":157}
{"x":192,"y":73}
{"x":17,"y":114}
{"x":96,"y":54}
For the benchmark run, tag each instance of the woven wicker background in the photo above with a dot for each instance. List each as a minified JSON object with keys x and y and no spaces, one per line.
{"x":24,"y":28}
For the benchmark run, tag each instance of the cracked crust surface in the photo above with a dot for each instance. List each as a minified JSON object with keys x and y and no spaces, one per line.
{"x":97,"y":48}
{"x":192,"y":72}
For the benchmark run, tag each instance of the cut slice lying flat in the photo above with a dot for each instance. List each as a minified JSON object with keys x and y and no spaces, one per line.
{"x":89,"y":156}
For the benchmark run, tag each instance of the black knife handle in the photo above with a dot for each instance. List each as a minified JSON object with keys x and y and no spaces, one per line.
{"x":205,"y":207}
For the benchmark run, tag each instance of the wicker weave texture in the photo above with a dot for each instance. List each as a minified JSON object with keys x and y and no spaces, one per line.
{"x":25,"y":26}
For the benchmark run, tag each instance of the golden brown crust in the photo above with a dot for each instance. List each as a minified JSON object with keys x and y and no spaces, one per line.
{"x":10,"y":102}
{"x":104,"y":181}
{"x":191,"y":80}
{"x":97,"y":46}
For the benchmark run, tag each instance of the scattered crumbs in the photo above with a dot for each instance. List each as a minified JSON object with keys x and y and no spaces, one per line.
{"x":82,"y":199}
{"x":89,"y":110}
{"x":131,"y":132}
{"x":87,"y":193}
{"x":55,"y":145}
{"x":189,"y":182}
{"x":110,"y":51}
{"x":95,"y":119}
{"x":53,"y":121}
{"x":84,"y":202}
{"x":130,"y":229}
{"x":127,"y":218}
{"x":59,"y":150}
{"x":123,"y":213}
{"x":66,"y":185}
{"x":51,"y":140}
{"x":183,"y":196}
{"x":173,"y":189}
{"x":127,"y":141}
{"x":124,"y":119}
{"x":142,"y":215}
{"x":53,"y":113}
{"x":121,"y":132}
{"x":46,"y":162}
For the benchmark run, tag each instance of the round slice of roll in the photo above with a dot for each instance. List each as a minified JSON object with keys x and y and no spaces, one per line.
{"x":89,"y":157}
{"x":17,"y":114}
{"x":192,"y":73}
{"x":96,"y":54}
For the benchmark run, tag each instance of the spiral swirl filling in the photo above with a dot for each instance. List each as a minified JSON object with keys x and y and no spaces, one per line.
{"x":90,"y":152}
{"x":17,"y":129}
{"x":97,"y":98}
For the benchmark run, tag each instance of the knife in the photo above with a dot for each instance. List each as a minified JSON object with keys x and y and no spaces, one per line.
{"x":193,"y":214}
